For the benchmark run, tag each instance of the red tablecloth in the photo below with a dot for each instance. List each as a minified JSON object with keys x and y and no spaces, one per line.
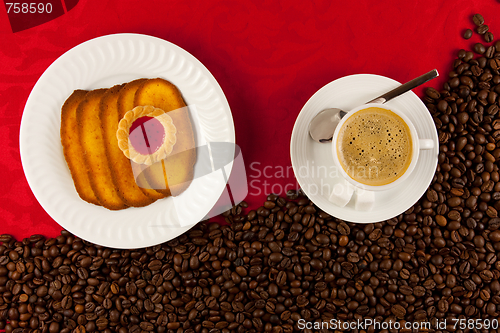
{"x":268,"y":56}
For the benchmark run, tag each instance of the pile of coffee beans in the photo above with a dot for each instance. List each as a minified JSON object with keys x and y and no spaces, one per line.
{"x":466,"y":116}
{"x":270,"y":267}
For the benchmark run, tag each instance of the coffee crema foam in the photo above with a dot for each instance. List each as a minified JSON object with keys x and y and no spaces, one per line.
{"x":374,"y":146}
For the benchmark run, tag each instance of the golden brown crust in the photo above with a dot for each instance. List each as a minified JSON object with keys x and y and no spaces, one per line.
{"x":121,"y":171}
{"x":126,"y":103}
{"x":73,"y":152}
{"x":178,"y":167}
{"x":90,"y":133}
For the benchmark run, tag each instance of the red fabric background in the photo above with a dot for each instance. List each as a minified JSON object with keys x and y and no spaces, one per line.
{"x":268,"y":56}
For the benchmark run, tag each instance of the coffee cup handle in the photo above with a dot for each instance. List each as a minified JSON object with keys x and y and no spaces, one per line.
{"x":426,"y":144}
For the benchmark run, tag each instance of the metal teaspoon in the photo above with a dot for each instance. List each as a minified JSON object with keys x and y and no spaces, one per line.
{"x":322,"y":126}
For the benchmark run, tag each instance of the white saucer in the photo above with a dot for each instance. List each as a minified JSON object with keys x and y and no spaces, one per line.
{"x":313,"y":162}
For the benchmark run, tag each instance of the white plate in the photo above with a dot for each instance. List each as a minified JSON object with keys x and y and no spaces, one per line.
{"x":313,"y":162}
{"x":101,"y":63}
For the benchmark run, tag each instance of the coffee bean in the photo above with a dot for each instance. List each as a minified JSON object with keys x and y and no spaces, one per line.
{"x":443,"y":306}
{"x":432,"y":195}
{"x":494,"y":63}
{"x":323,"y":239}
{"x":155,"y":265}
{"x":282,"y":277}
{"x":353,"y":257}
{"x":479,"y":48}
{"x":406,"y":290}
{"x":482,"y":29}
{"x":343,"y":228}
{"x":464,"y":268}
{"x":269,"y":204}
{"x":292,"y":194}
{"x":398,"y":311}
{"x":488,"y":37}
{"x":146,"y":326}
{"x":432,"y":93}
{"x":491,"y":212}
{"x":441,"y":220}
{"x":468,"y":34}
{"x":478,"y":20}
{"x":67,"y":302}
{"x":455,"y":201}
{"x":54,"y":327}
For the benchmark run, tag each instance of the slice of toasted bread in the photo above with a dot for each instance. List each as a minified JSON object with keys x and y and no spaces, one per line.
{"x":178,"y":167}
{"x":73,"y":152}
{"x":119,"y":165}
{"x":93,"y":144}
{"x":125,"y":104}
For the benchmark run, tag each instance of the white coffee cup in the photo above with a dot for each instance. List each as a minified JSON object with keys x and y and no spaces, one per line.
{"x":417,"y":144}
